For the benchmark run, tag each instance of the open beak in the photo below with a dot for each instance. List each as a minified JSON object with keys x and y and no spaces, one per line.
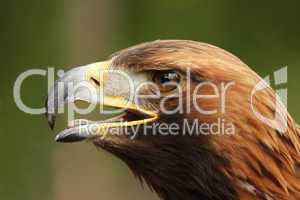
{"x":89,"y":83}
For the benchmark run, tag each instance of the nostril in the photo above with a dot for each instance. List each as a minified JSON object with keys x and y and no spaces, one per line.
{"x":95,"y":81}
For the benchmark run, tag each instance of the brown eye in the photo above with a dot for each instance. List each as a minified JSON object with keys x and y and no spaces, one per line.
{"x":166,"y":80}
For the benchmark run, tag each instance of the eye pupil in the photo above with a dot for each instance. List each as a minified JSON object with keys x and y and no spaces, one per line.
{"x":163,"y":78}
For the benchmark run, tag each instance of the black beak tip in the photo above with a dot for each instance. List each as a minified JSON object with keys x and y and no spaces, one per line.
{"x":50,"y":117}
{"x":68,"y":138}
{"x":51,"y":120}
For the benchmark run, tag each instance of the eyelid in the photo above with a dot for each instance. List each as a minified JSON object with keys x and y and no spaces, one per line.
{"x":154,"y":73}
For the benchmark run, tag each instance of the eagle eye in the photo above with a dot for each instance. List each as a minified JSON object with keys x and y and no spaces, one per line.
{"x":166,"y":80}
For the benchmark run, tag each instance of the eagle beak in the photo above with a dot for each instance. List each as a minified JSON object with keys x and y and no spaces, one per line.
{"x":90,"y":83}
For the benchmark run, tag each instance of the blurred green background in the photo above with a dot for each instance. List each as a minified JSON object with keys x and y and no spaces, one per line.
{"x":66,"y":33}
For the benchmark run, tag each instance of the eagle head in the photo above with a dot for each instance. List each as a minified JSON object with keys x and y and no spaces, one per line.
{"x":184,"y":122}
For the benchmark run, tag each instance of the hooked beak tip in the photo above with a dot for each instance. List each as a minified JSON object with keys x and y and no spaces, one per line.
{"x":51,"y":120}
{"x":50,"y":117}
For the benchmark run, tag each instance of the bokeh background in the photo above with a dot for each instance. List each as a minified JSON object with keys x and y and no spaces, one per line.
{"x":66,"y":33}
